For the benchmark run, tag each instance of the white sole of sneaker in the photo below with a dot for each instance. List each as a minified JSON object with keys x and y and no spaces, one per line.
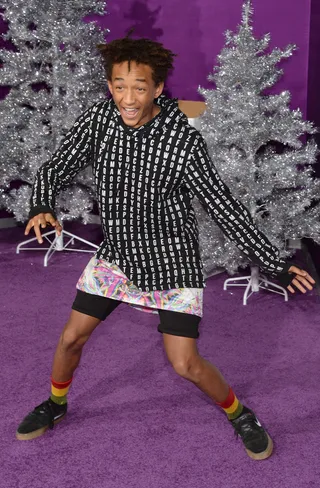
{"x":37,"y":433}
{"x":262,"y":455}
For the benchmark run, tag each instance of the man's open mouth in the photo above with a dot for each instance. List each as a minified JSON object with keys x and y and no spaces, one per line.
{"x":130,"y":112}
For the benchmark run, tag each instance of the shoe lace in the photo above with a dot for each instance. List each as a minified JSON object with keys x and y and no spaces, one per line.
{"x":47,"y":409}
{"x":245,"y":426}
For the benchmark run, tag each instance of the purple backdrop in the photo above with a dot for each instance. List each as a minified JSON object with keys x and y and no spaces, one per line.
{"x":194,"y":30}
{"x":314,"y":67}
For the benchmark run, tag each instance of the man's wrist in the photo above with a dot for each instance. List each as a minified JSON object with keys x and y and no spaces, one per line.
{"x":41,"y":209}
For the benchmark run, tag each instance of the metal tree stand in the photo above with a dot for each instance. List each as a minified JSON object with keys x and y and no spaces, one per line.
{"x":56,"y":243}
{"x":254,"y":283}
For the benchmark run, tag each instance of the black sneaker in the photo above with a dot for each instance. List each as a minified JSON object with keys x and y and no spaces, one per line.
{"x":42,"y":418}
{"x":256,"y":440}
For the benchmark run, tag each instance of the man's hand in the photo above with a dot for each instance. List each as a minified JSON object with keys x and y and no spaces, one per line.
{"x":302,"y":280}
{"x":41,"y":221}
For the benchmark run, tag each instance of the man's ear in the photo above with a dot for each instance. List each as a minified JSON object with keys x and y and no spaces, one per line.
{"x":110,"y":86}
{"x":159,"y":89}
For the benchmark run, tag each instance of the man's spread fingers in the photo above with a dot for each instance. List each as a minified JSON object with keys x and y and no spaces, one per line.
{"x":297,"y":284}
{"x":29,"y":226}
{"x":305,"y":282}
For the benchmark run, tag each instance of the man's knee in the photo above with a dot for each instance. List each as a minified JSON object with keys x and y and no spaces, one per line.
{"x":72,"y":340}
{"x":77,"y":332}
{"x":186,"y":366}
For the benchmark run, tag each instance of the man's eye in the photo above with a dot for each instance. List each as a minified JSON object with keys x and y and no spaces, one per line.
{"x":118,"y":88}
{"x":141,"y":89}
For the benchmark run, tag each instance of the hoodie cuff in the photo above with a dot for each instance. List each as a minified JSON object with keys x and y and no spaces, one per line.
{"x":285,"y":278}
{"x":41,"y":209}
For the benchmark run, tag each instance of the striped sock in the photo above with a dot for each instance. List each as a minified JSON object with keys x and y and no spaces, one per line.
{"x":59,"y":391}
{"x":231,"y":406}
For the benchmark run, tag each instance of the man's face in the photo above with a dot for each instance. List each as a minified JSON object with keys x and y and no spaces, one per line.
{"x":134,"y":92}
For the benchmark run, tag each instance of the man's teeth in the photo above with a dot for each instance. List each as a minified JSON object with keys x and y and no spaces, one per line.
{"x":130,"y":110}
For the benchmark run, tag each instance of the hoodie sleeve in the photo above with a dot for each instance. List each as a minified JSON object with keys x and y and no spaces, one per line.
{"x":202,"y":179}
{"x":73,"y":155}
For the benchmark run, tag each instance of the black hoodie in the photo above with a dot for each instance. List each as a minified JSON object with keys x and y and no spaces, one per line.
{"x":145,"y":181}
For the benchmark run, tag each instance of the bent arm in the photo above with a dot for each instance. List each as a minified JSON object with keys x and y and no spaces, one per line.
{"x":230,"y":214}
{"x":73,"y":155}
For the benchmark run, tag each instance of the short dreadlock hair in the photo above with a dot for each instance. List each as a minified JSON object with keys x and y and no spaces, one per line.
{"x":141,"y":51}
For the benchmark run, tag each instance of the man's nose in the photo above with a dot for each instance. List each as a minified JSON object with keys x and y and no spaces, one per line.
{"x":129,"y":97}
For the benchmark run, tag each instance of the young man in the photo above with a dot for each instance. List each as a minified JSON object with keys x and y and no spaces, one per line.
{"x":148,"y":164}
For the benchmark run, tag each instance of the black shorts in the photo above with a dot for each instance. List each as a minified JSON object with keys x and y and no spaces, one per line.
{"x":174,"y":323}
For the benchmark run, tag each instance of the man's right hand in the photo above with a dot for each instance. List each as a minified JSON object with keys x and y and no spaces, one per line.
{"x":41,"y":221}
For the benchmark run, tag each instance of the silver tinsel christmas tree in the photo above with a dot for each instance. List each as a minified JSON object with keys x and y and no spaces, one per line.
{"x":259,"y":148}
{"x":54,"y":74}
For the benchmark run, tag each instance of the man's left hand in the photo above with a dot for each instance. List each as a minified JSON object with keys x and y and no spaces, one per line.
{"x":302,"y":280}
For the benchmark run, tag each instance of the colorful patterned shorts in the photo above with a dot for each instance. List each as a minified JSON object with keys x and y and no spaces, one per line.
{"x":105,"y":279}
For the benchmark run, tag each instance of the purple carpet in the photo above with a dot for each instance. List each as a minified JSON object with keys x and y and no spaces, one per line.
{"x":132,"y":423}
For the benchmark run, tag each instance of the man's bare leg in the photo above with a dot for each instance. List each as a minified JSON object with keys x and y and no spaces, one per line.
{"x":75,"y":334}
{"x":183,"y":354}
